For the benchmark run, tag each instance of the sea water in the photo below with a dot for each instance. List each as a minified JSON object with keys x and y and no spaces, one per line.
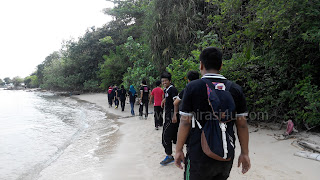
{"x":43,"y":136}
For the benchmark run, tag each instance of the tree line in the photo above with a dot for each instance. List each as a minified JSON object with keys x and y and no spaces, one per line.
{"x":271,"y":49}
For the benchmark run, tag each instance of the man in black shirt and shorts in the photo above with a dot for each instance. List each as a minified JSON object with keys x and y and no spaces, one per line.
{"x":199,"y":166}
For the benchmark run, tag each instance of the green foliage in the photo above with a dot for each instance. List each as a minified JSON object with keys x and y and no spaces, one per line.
{"x":47,"y":62}
{"x":308,"y":95}
{"x":271,"y":49}
{"x":171,"y":28}
{"x":2,"y":83}
{"x":268,"y":48}
{"x":209,"y":39}
{"x":7,"y":80}
{"x":53,"y":76}
{"x":31,"y":81}
{"x":112,"y":70}
{"x":91,"y":85}
{"x":259,"y":86}
{"x":142,"y":68}
{"x":75,"y":67}
{"x":17,"y":81}
{"x":106,"y":40}
{"x":179,"y":69}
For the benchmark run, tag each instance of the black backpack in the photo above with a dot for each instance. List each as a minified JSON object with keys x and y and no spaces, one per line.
{"x":217,"y":134}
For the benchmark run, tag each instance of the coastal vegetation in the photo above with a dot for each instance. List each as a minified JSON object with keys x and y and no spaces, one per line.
{"x":2,"y":83}
{"x":271,"y":49}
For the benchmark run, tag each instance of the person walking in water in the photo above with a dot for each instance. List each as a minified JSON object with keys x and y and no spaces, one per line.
{"x":132,"y":98}
{"x":158,"y":95}
{"x":144,"y":98}
{"x":122,"y":96}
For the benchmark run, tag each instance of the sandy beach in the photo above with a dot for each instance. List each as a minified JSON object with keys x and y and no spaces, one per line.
{"x":138,"y":151}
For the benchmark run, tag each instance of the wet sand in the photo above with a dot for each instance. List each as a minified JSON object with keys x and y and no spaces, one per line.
{"x":139,"y":151}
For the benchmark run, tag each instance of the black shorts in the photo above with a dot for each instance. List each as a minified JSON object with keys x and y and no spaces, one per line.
{"x":209,"y":170}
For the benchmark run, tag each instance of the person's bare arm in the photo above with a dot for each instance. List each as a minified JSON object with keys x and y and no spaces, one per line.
{"x":163,"y":102}
{"x":243,"y":135}
{"x":175,"y":110}
{"x":184,"y":129}
{"x":151,"y":97}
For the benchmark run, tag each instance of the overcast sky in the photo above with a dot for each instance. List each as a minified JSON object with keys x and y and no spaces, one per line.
{"x":30,"y":30}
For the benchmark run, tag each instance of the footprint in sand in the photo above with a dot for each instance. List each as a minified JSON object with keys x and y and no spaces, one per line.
{"x":281,"y":174}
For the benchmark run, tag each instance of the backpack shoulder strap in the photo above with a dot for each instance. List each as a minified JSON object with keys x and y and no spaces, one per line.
{"x":194,"y":121}
{"x":228,"y":84}
{"x":209,"y":83}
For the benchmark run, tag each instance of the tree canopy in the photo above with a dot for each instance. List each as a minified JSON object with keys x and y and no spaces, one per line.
{"x":271,"y":49}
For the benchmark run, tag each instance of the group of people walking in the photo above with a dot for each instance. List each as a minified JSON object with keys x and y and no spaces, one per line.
{"x":202,"y":116}
{"x":115,"y":95}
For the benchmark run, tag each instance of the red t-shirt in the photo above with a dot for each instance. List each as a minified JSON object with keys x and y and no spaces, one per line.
{"x":157,"y":93}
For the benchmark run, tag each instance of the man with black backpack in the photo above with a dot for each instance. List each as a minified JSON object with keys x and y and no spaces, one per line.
{"x":211,"y":106}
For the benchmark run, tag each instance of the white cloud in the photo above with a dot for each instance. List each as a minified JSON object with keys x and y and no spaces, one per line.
{"x":31,"y":30}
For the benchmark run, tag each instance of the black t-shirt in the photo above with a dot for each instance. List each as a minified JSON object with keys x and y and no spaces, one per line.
{"x":195,"y":102}
{"x":114,"y":90}
{"x":169,"y":94}
{"x":132,"y":98}
{"x":145,"y":90}
{"x":180,"y":95}
{"x":122,"y":94}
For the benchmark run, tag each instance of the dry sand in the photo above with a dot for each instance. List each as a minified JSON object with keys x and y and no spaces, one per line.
{"x":139,"y":151}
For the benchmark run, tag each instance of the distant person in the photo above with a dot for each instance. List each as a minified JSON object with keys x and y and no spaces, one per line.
{"x":170,"y":128}
{"x":118,"y":96}
{"x":215,"y":104}
{"x":110,"y":96}
{"x":122,"y":96}
{"x":132,"y":98}
{"x":144,"y":98}
{"x":191,"y":75}
{"x":116,"y":99}
{"x":158,"y":95}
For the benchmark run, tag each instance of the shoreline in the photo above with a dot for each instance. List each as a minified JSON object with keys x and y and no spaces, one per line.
{"x":139,"y":151}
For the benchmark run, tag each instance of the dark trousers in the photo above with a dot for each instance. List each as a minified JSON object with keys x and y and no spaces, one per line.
{"x":144,"y":103}
{"x":209,"y":170}
{"x":116,"y":102}
{"x":169,"y":134}
{"x":110,"y":99}
{"x":158,"y":116}
{"x":122,"y":103}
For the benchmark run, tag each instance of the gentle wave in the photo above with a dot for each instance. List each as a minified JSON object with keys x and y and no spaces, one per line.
{"x":41,"y":132}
